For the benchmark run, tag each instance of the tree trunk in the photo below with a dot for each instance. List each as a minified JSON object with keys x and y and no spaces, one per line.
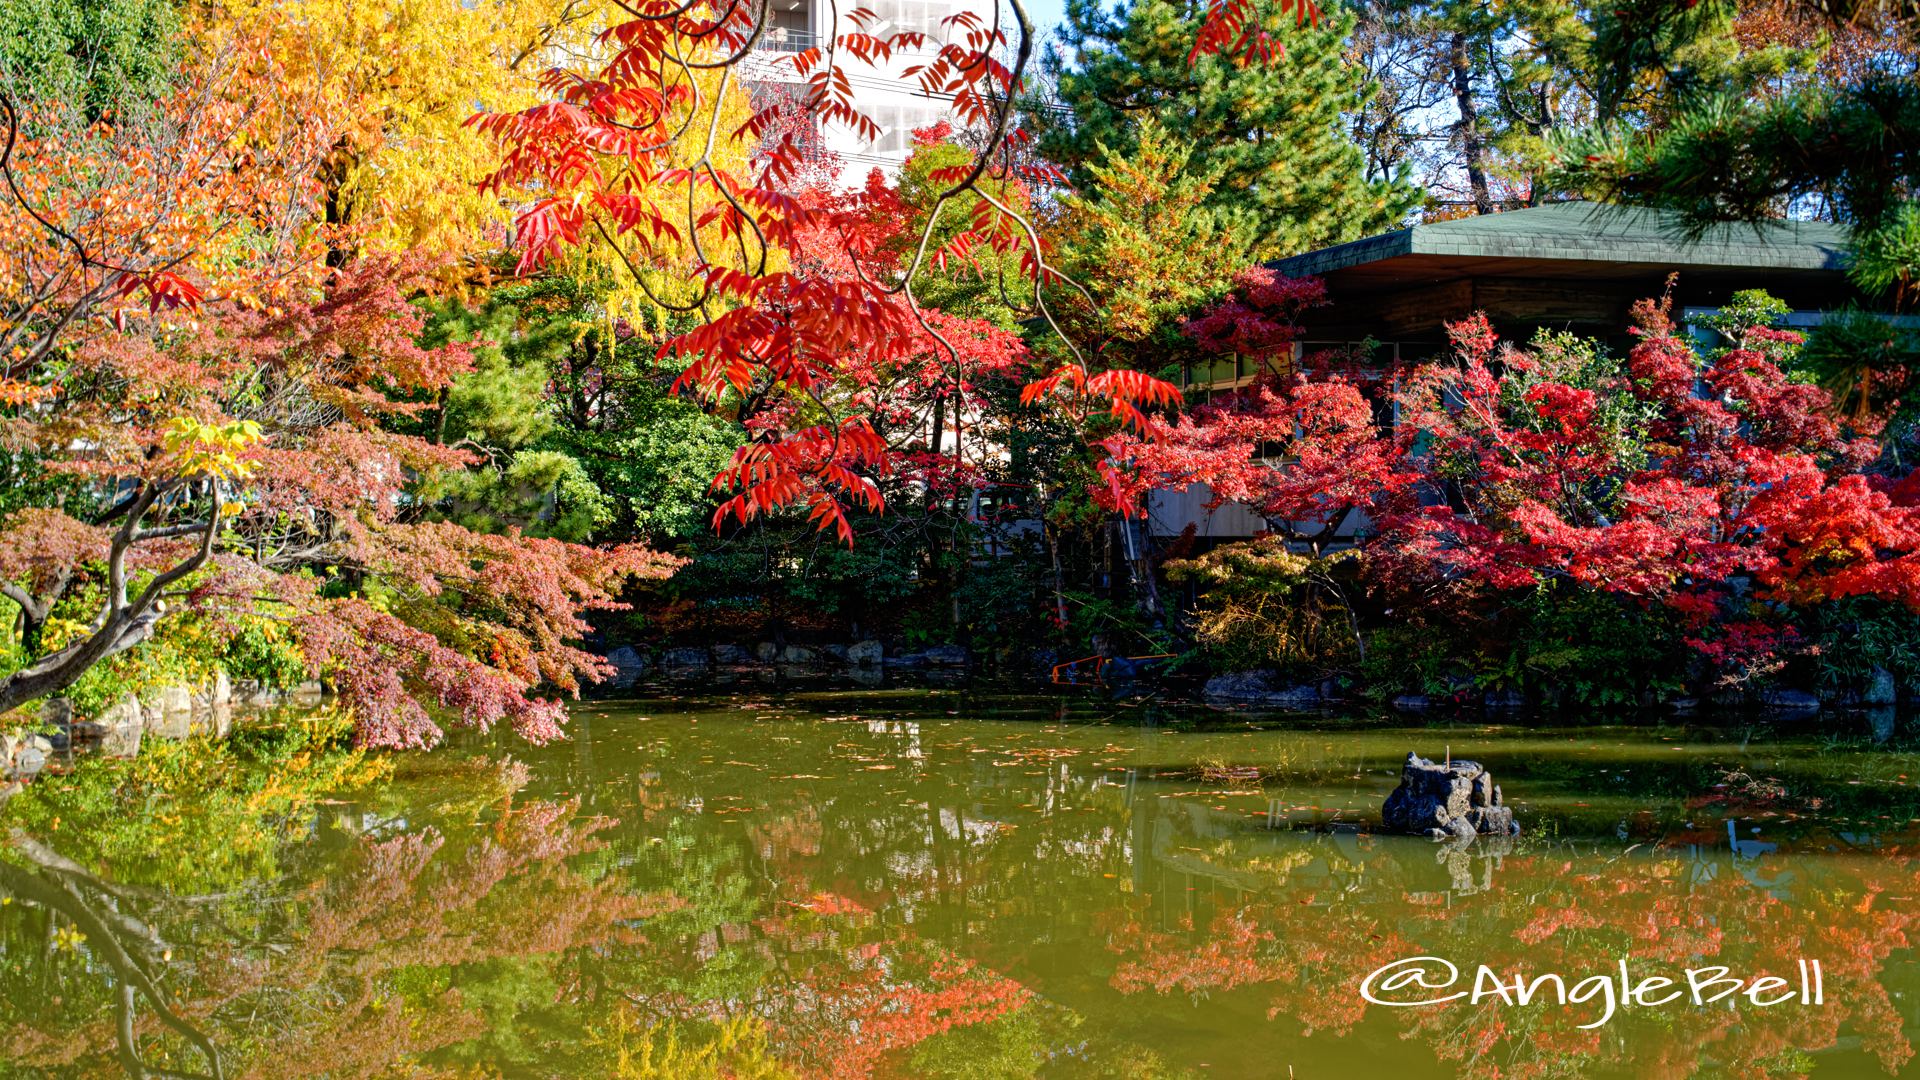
{"x":1140,"y":567}
{"x":959,"y":428}
{"x":336,"y":199}
{"x":33,"y":625}
{"x":1537,"y":183}
{"x":1469,"y":124}
{"x":122,"y":622}
{"x":1059,"y":582}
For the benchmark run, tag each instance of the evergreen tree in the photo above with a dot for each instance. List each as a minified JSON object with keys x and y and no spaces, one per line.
{"x":1274,"y":136}
{"x":1754,"y":133}
{"x":1143,"y":245}
{"x":578,"y":434}
{"x":1520,"y":74}
{"x":980,"y":285}
{"x":1851,"y":151}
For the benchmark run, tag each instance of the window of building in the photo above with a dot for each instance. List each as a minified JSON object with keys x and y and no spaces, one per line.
{"x":901,"y":16}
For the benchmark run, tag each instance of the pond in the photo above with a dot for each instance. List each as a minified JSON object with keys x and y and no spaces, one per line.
{"x":983,"y":881}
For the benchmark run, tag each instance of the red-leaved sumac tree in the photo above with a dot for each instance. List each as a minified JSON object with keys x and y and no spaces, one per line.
{"x":602,"y":158}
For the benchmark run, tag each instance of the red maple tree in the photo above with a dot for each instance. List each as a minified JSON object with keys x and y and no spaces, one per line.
{"x":1669,"y":477}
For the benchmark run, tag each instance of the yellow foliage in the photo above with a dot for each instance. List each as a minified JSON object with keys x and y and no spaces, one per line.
{"x":738,"y":1051}
{"x":210,"y":448}
{"x":58,"y":633}
{"x":401,"y":78}
{"x":1265,"y":605}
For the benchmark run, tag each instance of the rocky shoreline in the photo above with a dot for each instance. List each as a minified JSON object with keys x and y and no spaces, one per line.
{"x":162,"y":712}
{"x":1266,"y":689}
{"x":870,"y":656}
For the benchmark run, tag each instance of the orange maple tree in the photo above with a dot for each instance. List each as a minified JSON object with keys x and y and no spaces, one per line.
{"x":203,"y":403}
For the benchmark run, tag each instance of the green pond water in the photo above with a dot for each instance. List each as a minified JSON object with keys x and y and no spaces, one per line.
{"x":981,"y":881}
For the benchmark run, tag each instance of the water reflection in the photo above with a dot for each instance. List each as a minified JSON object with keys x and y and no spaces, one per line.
{"x":883,"y":885}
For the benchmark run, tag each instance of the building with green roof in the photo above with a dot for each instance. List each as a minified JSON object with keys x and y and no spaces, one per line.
{"x":1571,"y":266}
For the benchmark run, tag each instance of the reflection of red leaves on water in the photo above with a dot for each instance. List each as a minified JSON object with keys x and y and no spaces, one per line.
{"x":1252,"y":944}
{"x":1548,"y":921}
{"x":856,"y":994}
{"x":399,"y":905}
{"x":407,"y":905}
{"x":1225,"y":961}
{"x":852,"y":1014}
{"x":797,"y":835}
{"x":830,"y":904}
{"x":1576,"y":918}
{"x":874,"y":1015}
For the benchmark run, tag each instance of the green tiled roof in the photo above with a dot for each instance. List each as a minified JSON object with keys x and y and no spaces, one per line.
{"x":1598,"y":232}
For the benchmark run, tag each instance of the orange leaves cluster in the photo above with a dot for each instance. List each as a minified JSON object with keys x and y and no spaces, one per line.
{"x":40,"y":543}
{"x":1848,"y":539}
{"x":811,"y":466}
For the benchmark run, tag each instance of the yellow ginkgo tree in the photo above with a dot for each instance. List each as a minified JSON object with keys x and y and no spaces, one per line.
{"x":402,"y":77}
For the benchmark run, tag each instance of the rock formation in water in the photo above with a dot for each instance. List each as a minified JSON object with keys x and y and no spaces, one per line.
{"x":1458,"y":798}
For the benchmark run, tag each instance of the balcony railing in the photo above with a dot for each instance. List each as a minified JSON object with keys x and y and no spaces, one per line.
{"x":780,"y":39}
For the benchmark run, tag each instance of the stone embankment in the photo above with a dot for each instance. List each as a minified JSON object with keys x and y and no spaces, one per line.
{"x":868,"y":657}
{"x":164,"y":712}
{"x":1877,"y":693}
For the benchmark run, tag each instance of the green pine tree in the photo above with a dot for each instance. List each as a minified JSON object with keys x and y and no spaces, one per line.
{"x":1745,"y":137}
{"x":976,"y":288}
{"x":1274,"y":135}
{"x":1504,"y":80}
{"x":576,"y":430}
{"x":1145,"y":249}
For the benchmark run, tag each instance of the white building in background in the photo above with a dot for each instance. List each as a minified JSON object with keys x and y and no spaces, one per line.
{"x":881,"y":91}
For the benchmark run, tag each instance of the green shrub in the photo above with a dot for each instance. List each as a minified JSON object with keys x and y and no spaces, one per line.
{"x":1597,"y":648}
{"x":1855,"y":635}
{"x":1416,"y":656}
{"x":1603,"y":648}
{"x":1267,"y":607}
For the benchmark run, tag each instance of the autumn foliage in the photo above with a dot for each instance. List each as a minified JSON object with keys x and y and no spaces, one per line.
{"x":213,"y":420}
{"x":780,"y":322}
{"x":1666,"y":477}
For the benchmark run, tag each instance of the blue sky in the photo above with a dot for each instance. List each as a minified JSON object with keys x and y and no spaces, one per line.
{"x":1046,"y":14}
